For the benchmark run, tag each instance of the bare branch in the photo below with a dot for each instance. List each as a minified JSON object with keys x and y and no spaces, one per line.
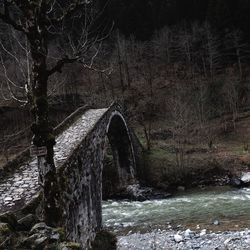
{"x":56,"y":86}
{"x":14,"y":56}
{"x":7,"y":19}
{"x":77,"y":4}
{"x":8,"y":82}
{"x":60,"y":64}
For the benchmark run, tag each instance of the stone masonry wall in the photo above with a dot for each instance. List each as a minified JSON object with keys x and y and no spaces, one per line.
{"x":80,"y":177}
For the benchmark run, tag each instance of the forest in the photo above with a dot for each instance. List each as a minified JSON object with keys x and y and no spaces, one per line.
{"x":179,"y":68}
{"x":155,"y":53}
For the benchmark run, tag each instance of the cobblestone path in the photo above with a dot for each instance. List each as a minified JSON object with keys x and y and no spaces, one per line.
{"x":18,"y":189}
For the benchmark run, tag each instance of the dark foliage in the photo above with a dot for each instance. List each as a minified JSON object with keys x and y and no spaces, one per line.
{"x":142,"y":17}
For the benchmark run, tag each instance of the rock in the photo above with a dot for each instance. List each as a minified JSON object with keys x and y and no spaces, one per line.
{"x":247,"y":241}
{"x":178,"y":238}
{"x":5,"y":235}
{"x":40,"y":227}
{"x":227,"y":241}
{"x":245,"y":179}
{"x":42,"y":237}
{"x":60,"y":231}
{"x":203,"y":232}
{"x":69,"y":246}
{"x":55,"y":237}
{"x":8,"y":199}
{"x":181,"y":188}
{"x":188,"y":233}
{"x":4,"y":229}
{"x":165,"y":240}
{"x":36,"y":241}
{"x":41,"y":242}
{"x":136,"y":193}
{"x":235,"y":182}
{"x":28,"y":242}
{"x":53,"y":234}
{"x":9,"y":218}
{"x":216,"y":222}
{"x":27,"y":222}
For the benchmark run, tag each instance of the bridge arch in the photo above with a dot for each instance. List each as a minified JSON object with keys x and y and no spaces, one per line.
{"x":81,"y":176}
{"x":122,"y":171}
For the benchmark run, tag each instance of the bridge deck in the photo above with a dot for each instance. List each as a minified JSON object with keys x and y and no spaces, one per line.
{"x":18,"y":189}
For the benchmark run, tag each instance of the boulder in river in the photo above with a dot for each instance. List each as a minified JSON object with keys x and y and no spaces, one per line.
{"x":240,"y":182}
{"x":136,"y":192}
{"x":235,"y":182}
{"x":245,"y":179}
{"x":216,"y":222}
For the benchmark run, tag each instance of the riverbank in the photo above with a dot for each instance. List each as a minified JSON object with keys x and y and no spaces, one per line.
{"x":188,"y":239}
{"x":208,"y":219}
{"x":195,"y":161}
{"x":217,"y":209}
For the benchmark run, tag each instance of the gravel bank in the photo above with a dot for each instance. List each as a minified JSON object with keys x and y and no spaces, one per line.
{"x":185,"y":240}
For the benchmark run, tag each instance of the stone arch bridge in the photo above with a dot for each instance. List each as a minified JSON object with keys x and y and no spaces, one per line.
{"x":79,"y":154}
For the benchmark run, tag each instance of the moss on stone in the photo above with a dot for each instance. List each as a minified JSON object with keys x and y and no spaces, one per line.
{"x":69,"y":246}
{"x":4,"y":229}
{"x":61,"y":232}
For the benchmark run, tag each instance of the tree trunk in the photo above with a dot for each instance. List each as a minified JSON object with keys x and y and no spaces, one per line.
{"x":147,"y":133}
{"x":120,"y":63}
{"x":43,"y":132}
{"x":239,"y":62}
{"x":127,"y":70}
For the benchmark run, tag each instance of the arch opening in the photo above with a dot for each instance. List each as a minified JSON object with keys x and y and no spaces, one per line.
{"x":119,"y":163}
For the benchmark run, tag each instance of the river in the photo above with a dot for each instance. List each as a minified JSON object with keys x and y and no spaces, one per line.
{"x":214,"y":209}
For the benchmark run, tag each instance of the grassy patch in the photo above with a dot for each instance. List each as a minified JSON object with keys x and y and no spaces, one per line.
{"x":161,"y":154}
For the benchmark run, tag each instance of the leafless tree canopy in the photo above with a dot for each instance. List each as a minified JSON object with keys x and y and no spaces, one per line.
{"x":72,"y":32}
{"x":42,"y":37}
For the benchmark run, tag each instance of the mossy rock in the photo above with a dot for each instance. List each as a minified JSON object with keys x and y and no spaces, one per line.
{"x":5,"y":235}
{"x":69,"y":246}
{"x":104,"y":240}
{"x":27,"y":222}
{"x":9,"y":218}
{"x":4,"y":229}
{"x":61,"y":232}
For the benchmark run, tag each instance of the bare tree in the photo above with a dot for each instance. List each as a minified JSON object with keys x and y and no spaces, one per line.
{"x":39,"y":21}
{"x":182,"y":114}
{"x":231,"y":96}
{"x":120,"y":62}
{"x":163,"y":41}
{"x":14,"y":66}
{"x":212,"y":55}
{"x":237,"y":48}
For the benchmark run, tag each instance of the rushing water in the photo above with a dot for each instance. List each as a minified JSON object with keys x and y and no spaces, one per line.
{"x":190,"y":208}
